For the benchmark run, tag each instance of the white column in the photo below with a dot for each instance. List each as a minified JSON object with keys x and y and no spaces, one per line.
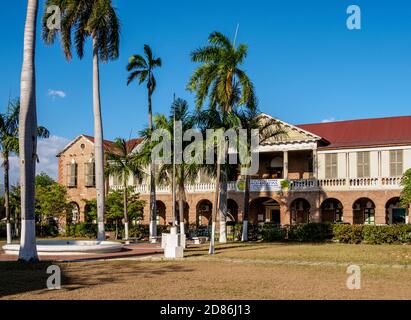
{"x":285,"y":169}
{"x":315,"y":164}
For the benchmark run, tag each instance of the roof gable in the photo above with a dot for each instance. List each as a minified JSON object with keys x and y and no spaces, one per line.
{"x":292,"y":134}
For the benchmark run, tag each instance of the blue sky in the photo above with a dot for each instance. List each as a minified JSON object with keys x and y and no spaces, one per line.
{"x":305,"y":64}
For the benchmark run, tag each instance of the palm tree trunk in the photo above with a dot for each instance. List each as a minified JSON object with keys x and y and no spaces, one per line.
{"x":125,"y":195}
{"x":223,"y":208}
{"x":7,"y":195}
{"x":153,"y":207}
{"x":215,"y":209}
{"x":98,"y":144}
{"x":246,"y":208}
{"x":181,"y":199}
{"x":28,"y":137}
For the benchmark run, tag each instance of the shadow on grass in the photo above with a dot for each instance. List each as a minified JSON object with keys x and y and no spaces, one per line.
{"x":19,"y":278}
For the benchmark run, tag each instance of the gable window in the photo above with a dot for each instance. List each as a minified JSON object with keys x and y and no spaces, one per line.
{"x":363,"y":164}
{"x":89,"y":173}
{"x":396,"y":163}
{"x":72,"y":175}
{"x":331,"y":165}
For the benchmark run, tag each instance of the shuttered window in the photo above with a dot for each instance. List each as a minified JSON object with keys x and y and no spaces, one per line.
{"x":90,"y":176}
{"x":331,"y":165}
{"x":72,"y":175}
{"x":396,"y":163}
{"x":363,"y":164}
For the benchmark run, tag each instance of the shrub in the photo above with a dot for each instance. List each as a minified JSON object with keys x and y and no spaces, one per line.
{"x":45,"y":230}
{"x":310,"y":232}
{"x":273,"y":232}
{"x":346,"y":233}
{"x":82,"y":230}
{"x":387,"y":234}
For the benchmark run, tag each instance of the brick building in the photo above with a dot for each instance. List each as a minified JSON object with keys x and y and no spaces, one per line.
{"x":347,"y":171}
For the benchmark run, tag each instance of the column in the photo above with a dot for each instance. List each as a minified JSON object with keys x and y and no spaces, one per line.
{"x":285,"y":169}
{"x":315,"y":164}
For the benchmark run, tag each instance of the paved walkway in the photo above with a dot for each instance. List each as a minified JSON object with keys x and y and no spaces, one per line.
{"x":129,"y":251}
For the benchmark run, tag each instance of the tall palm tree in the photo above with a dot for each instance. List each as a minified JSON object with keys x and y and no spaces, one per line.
{"x":9,"y":143}
{"x":213,"y":118}
{"x":142,"y":70}
{"x":220,"y":80}
{"x":268,"y":129}
{"x":28,"y":136}
{"x":185,"y":172}
{"x":82,"y":19}
{"x":122,"y":162}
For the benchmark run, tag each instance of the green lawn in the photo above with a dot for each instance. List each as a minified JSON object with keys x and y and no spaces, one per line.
{"x":236,"y":271}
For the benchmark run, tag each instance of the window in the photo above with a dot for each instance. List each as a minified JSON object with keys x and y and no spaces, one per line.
{"x":363,"y":164}
{"x":89,"y":172}
{"x":396,"y":168}
{"x":331,"y":165}
{"x":72,"y":175}
{"x":138,"y":180}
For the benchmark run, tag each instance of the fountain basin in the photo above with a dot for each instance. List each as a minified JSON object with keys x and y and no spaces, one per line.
{"x":68,"y":247}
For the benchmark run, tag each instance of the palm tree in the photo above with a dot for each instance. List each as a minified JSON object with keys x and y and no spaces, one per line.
{"x":185,"y":172}
{"x":213,"y":118}
{"x":9,"y":143}
{"x":142,"y":70}
{"x":220,"y":80}
{"x":96,"y":19}
{"x":28,"y":137}
{"x":122,"y":162}
{"x":268,"y":129}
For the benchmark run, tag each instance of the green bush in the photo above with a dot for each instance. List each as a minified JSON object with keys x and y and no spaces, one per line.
{"x":346,"y":233}
{"x":46,"y":230}
{"x":82,"y":230}
{"x":273,"y":232}
{"x":310,"y":232}
{"x":142,"y":231}
{"x":392,"y":234}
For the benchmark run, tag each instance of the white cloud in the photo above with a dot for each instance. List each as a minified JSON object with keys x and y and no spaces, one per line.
{"x":47,"y":150}
{"x":328,"y":120}
{"x":56,"y":93}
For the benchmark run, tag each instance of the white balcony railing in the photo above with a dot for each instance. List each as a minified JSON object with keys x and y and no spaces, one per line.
{"x":272,"y":185}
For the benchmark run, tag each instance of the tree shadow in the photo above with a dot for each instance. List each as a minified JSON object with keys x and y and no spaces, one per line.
{"x":20,"y":278}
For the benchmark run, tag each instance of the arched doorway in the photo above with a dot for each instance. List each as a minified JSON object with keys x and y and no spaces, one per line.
{"x":300,"y":211}
{"x":364,"y":211}
{"x":89,"y":213}
{"x":161,"y":213}
{"x":395,"y":213}
{"x":264,"y":210}
{"x":186,"y":212}
{"x":232,"y":211}
{"x":332,"y":211}
{"x":73,"y":216}
{"x":203,"y":212}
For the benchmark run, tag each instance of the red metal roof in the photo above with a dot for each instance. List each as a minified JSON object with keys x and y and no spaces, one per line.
{"x":108,"y":145}
{"x":363,"y":132}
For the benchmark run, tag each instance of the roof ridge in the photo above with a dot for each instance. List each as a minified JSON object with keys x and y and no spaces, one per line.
{"x":352,"y":120}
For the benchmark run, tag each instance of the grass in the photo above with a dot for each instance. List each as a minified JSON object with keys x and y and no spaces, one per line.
{"x":237,"y":271}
